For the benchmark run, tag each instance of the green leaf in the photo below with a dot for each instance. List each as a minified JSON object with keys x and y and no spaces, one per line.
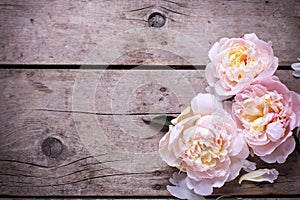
{"x":162,"y":120}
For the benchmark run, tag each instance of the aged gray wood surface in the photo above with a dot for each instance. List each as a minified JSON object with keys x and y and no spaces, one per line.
{"x":67,"y":31}
{"x":106,"y":149}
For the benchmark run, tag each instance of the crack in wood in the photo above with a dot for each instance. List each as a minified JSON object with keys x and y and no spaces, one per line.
{"x":105,"y":114}
{"x":173,"y":11}
{"x":29,"y":184}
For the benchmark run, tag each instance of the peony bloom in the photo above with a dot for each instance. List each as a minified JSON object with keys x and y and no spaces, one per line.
{"x":236,"y":62}
{"x":205,"y":144}
{"x":267,"y":112}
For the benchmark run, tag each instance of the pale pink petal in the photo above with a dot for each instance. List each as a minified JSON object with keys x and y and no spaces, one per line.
{"x":250,"y":36}
{"x":223,"y":40}
{"x":221,"y":91}
{"x":190,"y":182}
{"x":214,"y":51}
{"x":244,"y":153}
{"x":237,"y":145}
{"x":281,"y":152}
{"x":189,"y":132}
{"x":268,"y":148}
{"x":248,"y":166}
{"x":275,"y":131}
{"x":205,"y":104}
{"x":235,"y":168}
{"x":203,"y":188}
{"x":273,"y":83}
{"x":260,"y":175}
{"x":177,"y":178}
{"x":180,"y":189}
{"x":174,"y":132}
{"x":167,"y":155}
{"x":210,"y":75}
{"x":270,"y":71}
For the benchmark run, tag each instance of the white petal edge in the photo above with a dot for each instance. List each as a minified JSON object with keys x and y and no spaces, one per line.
{"x":296,"y":74}
{"x":295,"y":66}
{"x":260,"y":175}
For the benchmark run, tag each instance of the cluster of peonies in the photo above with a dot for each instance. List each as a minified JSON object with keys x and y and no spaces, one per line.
{"x":247,"y":110}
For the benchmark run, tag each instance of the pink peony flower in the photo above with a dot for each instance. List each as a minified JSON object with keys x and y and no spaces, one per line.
{"x":236,"y":62}
{"x":267,"y":112}
{"x":205,"y":144}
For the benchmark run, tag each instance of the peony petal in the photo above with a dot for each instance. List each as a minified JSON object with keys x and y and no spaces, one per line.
{"x":203,"y":188}
{"x":260,"y":175}
{"x":164,"y":152}
{"x":205,"y":104}
{"x":177,"y":178}
{"x":237,"y":144}
{"x":275,"y":131}
{"x":210,"y":74}
{"x":267,"y":149}
{"x":296,"y":74}
{"x":250,"y":36}
{"x":187,"y":112}
{"x":248,"y":166}
{"x":221,"y":91}
{"x":235,"y":168}
{"x":296,"y":66}
{"x":281,"y":153}
{"x":174,"y":133}
{"x":180,"y":189}
{"x":183,"y":193}
{"x":214,"y":51}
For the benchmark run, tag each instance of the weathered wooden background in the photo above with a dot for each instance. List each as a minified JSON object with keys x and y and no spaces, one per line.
{"x":65,"y":32}
{"x":79,"y":132}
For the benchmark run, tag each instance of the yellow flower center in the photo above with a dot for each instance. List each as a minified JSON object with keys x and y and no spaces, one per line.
{"x":205,"y":151}
{"x":261,"y":111}
{"x":239,"y":59}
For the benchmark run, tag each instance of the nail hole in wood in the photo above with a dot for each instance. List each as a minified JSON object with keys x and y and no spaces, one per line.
{"x":163,"y":89}
{"x":52,"y":147}
{"x":156,"y":20}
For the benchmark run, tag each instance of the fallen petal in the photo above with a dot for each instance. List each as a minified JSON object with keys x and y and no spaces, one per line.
{"x":248,"y":166}
{"x":180,"y":190}
{"x":295,"y":66}
{"x":260,"y":175}
{"x":296,"y":74}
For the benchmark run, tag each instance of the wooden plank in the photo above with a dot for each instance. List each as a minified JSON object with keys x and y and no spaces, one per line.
{"x":99,"y":154}
{"x":69,"y":32}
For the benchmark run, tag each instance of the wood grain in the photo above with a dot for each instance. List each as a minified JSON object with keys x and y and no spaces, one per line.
{"x":69,"y":32}
{"x":37,"y":104}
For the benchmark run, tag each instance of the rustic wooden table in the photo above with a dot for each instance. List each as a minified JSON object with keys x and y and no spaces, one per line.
{"x":78,"y":131}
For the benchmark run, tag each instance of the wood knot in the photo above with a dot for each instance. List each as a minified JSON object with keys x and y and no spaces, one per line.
{"x":52,"y":147}
{"x":156,"y":187}
{"x":157,"y":173}
{"x":156,"y":20}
